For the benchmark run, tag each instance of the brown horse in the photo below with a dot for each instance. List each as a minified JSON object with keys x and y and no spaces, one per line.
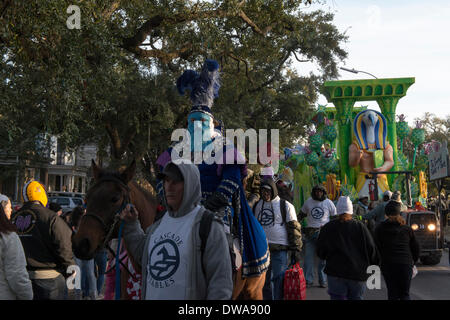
{"x":104,"y":200}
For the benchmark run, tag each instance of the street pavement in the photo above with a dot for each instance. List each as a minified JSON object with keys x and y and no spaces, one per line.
{"x":430,"y":283}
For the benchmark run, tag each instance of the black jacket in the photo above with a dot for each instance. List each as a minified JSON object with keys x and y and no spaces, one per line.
{"x":46,"y":238}
{"x":397,"y":243}
{"x":348,"y":248}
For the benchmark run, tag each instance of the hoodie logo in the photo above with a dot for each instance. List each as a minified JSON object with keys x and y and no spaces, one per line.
{"x":266,"y":217}
{"x":317,"y":213}
{"x":164,"y":261}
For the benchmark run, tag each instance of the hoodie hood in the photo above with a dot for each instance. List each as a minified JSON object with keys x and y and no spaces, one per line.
{"x":319,"y":187}
{"x":271,"y":184}
{"x":192,"y":193}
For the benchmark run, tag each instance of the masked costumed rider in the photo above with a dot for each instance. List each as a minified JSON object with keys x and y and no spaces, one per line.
{"x":222,"y":170}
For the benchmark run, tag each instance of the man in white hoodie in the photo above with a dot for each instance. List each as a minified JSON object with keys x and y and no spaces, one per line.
{"x":173,"y":264}
{"x":283,"y":233}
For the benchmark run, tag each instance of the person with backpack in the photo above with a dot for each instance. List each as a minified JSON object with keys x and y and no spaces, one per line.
{"x":222,"y":169}
{"x":46,"y":240}
{"x":178,"y":260}
{"x":283,"y":231}
{"x":318,"y":210}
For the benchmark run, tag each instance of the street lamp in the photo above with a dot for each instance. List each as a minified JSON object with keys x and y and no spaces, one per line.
{"x":357,"y":71}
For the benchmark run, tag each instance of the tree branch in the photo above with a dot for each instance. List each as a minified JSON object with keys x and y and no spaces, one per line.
{"x":238,"y":59}
{"x":108,"y":12}
{"x":115,"y":140}
{"x":165,"y":57}
{"x":295,"y":55}
{"x":4,"y":7}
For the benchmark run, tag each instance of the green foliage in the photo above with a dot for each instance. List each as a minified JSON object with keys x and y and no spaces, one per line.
{"x":399,"y":184}
{"x":112,"y":81}
{"x":350,"y":191}
{"x":414,"y":190}
{"x":403,"y":163}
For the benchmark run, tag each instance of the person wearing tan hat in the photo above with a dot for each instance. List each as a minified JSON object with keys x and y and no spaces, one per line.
{"x":6,"y":204}
{"x":14,"y":280}
{"x":348,"y":249}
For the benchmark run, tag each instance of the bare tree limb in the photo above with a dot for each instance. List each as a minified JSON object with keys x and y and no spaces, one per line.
{"x":244,"y":61}
{"x":295,"y":55}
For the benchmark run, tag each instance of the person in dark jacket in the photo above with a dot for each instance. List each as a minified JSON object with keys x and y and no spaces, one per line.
{"x":399,"y":251}
{"x":46,"y":240}
{"x":348,"y":249}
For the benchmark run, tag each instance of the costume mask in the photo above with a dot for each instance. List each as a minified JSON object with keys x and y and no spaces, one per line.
{"x":199,"y":121}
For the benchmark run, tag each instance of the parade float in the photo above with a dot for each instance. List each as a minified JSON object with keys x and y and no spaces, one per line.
{"x":348,"y":143}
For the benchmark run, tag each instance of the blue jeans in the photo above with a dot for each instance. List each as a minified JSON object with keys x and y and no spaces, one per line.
{"x":345,"y":289}
{"x":101,"y":259}
{"x":277,"y":269}
{"x":88,"y":280}
{"x":310,"y":255}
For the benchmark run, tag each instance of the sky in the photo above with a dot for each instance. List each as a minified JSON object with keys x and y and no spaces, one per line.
{"x":398,"y":39}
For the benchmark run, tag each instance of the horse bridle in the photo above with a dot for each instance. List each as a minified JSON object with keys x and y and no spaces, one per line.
{"x":116,"y":219}
{"x":109,"y":231}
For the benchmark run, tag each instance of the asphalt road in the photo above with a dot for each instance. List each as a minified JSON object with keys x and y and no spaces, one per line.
{"x":431,"y":283}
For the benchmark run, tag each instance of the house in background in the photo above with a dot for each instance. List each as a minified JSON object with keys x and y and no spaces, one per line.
{"x":63,"y":171}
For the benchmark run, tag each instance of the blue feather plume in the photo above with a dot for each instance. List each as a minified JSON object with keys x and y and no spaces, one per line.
{"x":204,"y":87}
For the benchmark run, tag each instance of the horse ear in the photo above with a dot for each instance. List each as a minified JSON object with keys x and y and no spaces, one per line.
{"x":95,"y":170}
{"x":129,"y":172}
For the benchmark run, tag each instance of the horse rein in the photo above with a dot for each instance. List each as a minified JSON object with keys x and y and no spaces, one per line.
{"x":109,"y":231}
{"x":116,"y":218}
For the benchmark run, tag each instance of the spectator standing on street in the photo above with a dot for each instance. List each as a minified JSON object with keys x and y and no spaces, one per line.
{"x":348,"y":249}
{"x":377,"y":214}
{"x":100,"y":262}
{"x":361,"y":208}
{"x":173,"y":264}
{"x":88,"y":280}
{"x":283,"y":234}
{"x":318,"y":209}
{"x":397,"y":196}
{"x":46,"y":240}
{"x":399,"y":252}
{"x":15,"y":283}
{"x":6,"y":205}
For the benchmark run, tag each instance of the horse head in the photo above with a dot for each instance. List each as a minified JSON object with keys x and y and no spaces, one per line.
{"x":104,"y":201}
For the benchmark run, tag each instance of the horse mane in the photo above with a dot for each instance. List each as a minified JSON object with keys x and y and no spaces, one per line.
{"x":148,"y":195}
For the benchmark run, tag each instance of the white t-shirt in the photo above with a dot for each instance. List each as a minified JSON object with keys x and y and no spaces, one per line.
{"x":318,"y":212}
{"x":270,"y":218}
{"x":168,"y":258}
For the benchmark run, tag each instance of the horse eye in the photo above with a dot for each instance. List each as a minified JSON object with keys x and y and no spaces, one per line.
{"x":115,"y":199}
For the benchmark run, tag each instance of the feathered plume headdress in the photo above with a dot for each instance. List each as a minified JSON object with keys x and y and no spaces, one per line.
{"x":204,"y":87}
